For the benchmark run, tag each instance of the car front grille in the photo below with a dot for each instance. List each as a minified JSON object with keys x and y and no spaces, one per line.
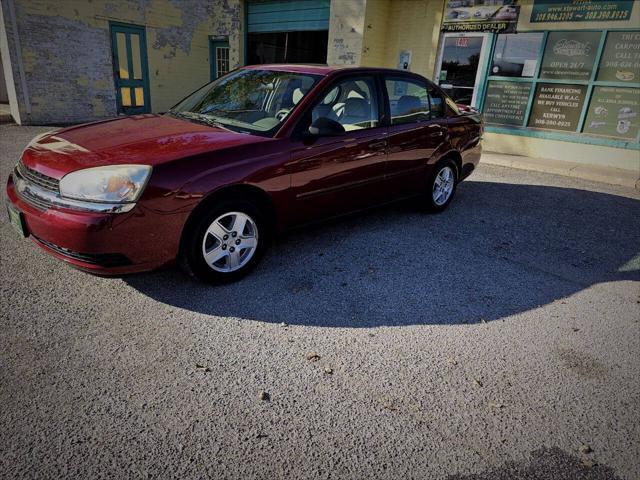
{"x":99,"y":259}
{"x":37,"y":178}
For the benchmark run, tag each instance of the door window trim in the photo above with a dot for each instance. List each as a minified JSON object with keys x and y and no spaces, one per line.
{"x":485,"y":52}
{"x":127,"y":29}
{"x":214,"y":44}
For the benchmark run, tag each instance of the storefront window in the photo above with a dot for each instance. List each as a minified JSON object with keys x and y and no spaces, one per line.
{"x":613,"y":112}
{"x":506,"y":102}
{"x":621,"y":58}
{"x":516,"y":55}
{"x":570,"y":55}
{"x":557,"y":106}
{"x":587,"y":82}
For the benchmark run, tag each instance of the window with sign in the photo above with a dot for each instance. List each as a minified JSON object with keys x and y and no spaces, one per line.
{"x":579,"y":82}
{"x":516,"y":55}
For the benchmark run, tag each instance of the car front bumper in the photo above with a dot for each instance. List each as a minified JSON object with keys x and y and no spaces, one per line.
{"x":102,"y":243}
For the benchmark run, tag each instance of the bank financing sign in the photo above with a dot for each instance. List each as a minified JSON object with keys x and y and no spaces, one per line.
{"x":481,"y":16}
{"x":581,"y":10}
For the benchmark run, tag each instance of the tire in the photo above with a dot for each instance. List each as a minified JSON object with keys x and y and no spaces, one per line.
{"x":213,"y":247}
{"x":437,"y":198}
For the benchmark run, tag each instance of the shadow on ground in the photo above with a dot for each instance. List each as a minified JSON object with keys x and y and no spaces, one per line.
{"x":546,"y":464}
{"x":500,"y":249}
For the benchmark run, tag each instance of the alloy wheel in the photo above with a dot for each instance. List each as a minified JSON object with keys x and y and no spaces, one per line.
{"x":443,"y":186}
{"x":230,"y":242}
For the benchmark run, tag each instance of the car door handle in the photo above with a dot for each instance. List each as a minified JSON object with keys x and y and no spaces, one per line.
{"x":378,"y":144}
{"x":437,"y":133}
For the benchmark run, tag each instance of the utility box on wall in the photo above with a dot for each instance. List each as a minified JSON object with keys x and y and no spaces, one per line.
{"x":404,"y":60}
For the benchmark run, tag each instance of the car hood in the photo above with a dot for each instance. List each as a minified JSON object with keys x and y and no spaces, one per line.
{"x":140,"y":139}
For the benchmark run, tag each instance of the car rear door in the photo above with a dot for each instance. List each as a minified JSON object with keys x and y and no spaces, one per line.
{"x":335,"y":175}
{"x":417,"y":128}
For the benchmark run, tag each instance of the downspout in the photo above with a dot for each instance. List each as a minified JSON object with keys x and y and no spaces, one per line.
{"x":18,"y":47}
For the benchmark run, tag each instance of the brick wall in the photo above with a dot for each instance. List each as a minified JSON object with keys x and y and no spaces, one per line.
{"x":66,"y":51}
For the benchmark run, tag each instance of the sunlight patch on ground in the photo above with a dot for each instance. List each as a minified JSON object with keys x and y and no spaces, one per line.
{"x":632,"y":265}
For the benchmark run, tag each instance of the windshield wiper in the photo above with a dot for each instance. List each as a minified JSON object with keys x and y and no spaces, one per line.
{"x":200,"y":118}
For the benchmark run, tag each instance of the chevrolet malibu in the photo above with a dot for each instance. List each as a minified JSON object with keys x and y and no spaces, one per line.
{"x":252,"y":154}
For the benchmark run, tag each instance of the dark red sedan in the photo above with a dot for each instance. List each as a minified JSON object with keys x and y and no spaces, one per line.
{"x":249,"y":155}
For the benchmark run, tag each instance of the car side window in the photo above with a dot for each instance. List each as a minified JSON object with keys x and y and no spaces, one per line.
{"x":352,"y":102}
{"x":408,"y":100}
{"x":437,"y":104}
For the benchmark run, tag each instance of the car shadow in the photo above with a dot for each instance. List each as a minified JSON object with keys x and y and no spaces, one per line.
{"x":546,"y":464}
{"x":500,"y":249}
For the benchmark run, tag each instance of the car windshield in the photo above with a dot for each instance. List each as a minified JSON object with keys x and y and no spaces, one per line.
{"x":251,"y":101}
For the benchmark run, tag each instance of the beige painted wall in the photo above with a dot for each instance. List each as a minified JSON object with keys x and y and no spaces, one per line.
{"x":346,"y":25}
{"x":395,"y":25}
{"x":565,"y":151}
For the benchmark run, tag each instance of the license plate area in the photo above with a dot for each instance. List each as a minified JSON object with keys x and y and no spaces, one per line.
{"x":16,"y":218}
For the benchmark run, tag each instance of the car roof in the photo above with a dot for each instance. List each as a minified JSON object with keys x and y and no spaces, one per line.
{"x":324,"y":70}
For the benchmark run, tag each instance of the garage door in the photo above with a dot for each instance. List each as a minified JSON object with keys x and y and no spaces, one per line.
{"x":293,"y":31}
{"x":287,"y":16}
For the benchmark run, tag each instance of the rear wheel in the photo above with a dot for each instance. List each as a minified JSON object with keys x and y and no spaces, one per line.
{"x":226,"y":242}
{"x":441,"y":187}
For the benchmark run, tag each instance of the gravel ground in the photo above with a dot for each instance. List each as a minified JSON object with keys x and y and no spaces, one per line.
{"x":488,"y":342}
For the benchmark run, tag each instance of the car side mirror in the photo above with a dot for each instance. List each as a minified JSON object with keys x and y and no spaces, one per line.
{"x":325,"y":127}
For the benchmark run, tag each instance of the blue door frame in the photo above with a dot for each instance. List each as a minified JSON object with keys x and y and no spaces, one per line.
{"x":213,"y":63}
{"x":130,"y":69}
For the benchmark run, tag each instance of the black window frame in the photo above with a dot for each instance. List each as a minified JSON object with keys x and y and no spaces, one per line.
{"x":409,"y":79}
{"x":430,"y":87}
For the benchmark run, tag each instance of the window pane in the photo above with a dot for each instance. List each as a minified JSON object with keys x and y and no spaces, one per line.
{"x":125,"y":93}
{"x":460,"y":58}
{"x":222,"y":61}
{"x":352,"y":103}
{"x":135,"y":56}
{"x":408,"y":101}
{"x":121,"y":46}
{"x":613,"y":112}
{"x":516,"y":55}
{"x":139,"y":97}
{"x":557,"y":106}
{"x":506,"y":102}
{"x":620,"y":60}
{"x":570,"y":55}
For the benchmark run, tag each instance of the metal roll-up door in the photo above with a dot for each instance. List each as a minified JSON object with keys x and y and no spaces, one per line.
{"x":287,"y":16}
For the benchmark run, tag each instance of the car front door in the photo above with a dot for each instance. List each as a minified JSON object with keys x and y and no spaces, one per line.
{"x":416,"y":131}
{"x":338,"y":174}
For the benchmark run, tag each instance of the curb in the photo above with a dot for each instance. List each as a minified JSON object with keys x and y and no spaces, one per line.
{"x":595,"y":173}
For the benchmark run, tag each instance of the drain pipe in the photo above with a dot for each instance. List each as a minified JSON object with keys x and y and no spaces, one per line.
{"x":18,"y":47}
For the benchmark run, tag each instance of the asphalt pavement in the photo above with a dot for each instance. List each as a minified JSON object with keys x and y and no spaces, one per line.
{"x":498,"y":340}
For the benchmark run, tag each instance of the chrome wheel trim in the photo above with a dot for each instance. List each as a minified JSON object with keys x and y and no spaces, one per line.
{"x":443,"y":186}
{"x":230,"y":242}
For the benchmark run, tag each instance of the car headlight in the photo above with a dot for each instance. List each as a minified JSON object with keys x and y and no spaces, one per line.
{"x":112,"y":184}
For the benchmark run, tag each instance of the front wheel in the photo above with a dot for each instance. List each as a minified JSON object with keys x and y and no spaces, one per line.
{"x":441,"y":187}
{"x":225,"y":243}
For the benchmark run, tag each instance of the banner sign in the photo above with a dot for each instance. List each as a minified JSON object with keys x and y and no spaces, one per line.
{"x":481,"y":16}
{"x":581,"y":10}
{"x":557,"y":106}
{"x":506,"y":102}
{"x":570,"y":55}
{"x":614,"y":112}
